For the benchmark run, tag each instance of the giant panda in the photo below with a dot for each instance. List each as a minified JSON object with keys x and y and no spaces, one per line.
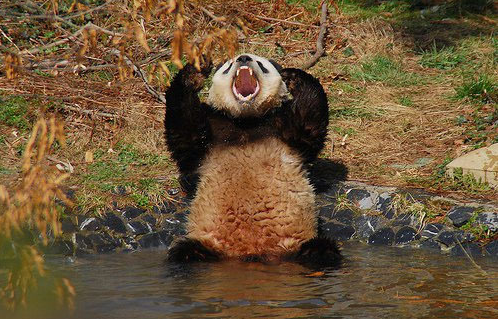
{"x":243,"y":158}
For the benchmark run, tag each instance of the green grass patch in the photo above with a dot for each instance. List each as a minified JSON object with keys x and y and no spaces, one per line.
{"x":406,"y":101}
{"x":385,"y":70}
{"x":343,"y":131}
{"x":371,"y":8}
{"x":482,"y":89}
{"x":443,"y":59}
{"x":14,"y":112}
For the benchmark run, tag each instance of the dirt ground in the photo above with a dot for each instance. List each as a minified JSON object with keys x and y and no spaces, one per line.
{"x":409,"y":89}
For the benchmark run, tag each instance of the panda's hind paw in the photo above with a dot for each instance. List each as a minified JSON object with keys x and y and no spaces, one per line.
{"x":189,"y":250}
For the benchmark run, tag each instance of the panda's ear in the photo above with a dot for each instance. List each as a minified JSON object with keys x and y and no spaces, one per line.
{"x":276,"y":65}
{"x":218,"y":67}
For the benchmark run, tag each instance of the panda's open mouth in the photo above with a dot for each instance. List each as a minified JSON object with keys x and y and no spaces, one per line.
{"x":245,"y":85}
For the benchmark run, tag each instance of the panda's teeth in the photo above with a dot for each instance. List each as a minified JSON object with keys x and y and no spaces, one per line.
{"x":250,"y":71}
{"x":238,"y":71}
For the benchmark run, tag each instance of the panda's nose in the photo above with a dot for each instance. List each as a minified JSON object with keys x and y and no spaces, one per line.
{"x":244,"y":59}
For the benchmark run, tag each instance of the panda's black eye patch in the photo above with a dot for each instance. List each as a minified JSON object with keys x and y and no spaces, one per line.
{"x":228,"y":69}
{"x":265,"y":70}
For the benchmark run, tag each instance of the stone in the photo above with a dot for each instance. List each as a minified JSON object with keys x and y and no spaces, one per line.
{"x":432,"y":230}
{"x":430,"y":244}
{"x":150,"y":220}
{"x":137,"y":227}
{"x":130,"y":212}
{"x":165,"y":208}
{"x":326,"y":211}
{"x":337,"y":231}
{"x":82,"y":242}
{"x":166,"y":237}
{"x":361,"y":197}
{"x":344,"y":216}
{"x":404,"y":220}
{"x":67,"y":226}
{"x":489,"y":219}
{"x":114,"y":223}
{"x":481,"y":163}
{"x":405,"y":235}
{"x":91,"y":224}
{"x":64,"y":247}
{"x":150,"y":240}
{"x":449,"y":238}
{"x":383,"y":236}
{"x":173,"y":191}
{"x":471,"y":248}
{"x":491,"y":249}
{"x":460,"y":215}
{"x":366,"y":225}
{"x":384,"y":205}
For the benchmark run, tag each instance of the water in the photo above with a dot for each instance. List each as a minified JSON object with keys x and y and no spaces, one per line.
{"x":375,"y":282}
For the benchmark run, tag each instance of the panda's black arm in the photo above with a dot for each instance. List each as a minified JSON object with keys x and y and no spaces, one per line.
{"x":302,"y":121}
{"x":187,"y":129}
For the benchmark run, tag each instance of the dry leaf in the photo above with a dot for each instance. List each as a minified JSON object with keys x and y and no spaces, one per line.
{"x":140,"y":36}
{"x":88,"y":157}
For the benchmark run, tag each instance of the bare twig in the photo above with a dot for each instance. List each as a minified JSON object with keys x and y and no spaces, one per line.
{"x":281,"y":20}
{"x":73,"y":36}
{"x":89,"y":112}
{"x":320,"y":41}
{"x":159,"y":96}
{"x":89,"y":10}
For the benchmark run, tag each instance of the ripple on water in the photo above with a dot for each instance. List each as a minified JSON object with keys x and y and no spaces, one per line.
{"x":374,"y":282}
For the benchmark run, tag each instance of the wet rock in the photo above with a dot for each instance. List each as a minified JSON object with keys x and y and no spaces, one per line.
{"x":449,"y":238}
{"x":471,"y":248}
{"x":166,"y":237}
{"x":165,"y":208}
{"x":326,"y":211}
{"x":91,"y":224}
{"x":432,"y":230}
{"x":489,"y":219}
{"x":385,"y":205}
{"x":173,"y":191}
{"x":430,"y":244}
{"x":67,"y":226}
{"x":82,"y":242}
{"x":491,"y":249}
{"x":130,"y":212}
{"x":114,"y":223}
{"x":383,"y":236}
{"x":362,"y":197}
{"x":344,"y":216}
{"x":150,"y":240}
{"x":404,"y":220}
{"x":150,"y":220}
{"x":366,"y":225}
{"x":338,"y":231}
{"x":334,"y":191}
{"x":137,"y":227}
{"x":64,"y":247}
{"x":130,"y":243}
{"x":460,"y":215}
{"x":405,"y":235}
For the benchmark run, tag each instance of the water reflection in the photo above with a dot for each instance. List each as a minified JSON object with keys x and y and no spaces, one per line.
{"x":375,"y":282}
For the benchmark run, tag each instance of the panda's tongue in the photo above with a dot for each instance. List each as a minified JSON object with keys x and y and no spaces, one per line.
{"x":245,"y":83}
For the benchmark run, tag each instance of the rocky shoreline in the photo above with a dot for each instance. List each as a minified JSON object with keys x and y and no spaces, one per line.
{"x":348,"y":211}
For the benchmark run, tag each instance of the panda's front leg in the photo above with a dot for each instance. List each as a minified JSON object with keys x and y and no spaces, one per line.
{"x":302,"y":121}
{"x":187,"y":130}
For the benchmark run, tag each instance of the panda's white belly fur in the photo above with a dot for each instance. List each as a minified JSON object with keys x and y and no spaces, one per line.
{"x":253,"y":199}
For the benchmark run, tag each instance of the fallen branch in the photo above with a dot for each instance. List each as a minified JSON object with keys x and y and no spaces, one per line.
{"x":159,"y":96}
{"x":320,"y":41}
